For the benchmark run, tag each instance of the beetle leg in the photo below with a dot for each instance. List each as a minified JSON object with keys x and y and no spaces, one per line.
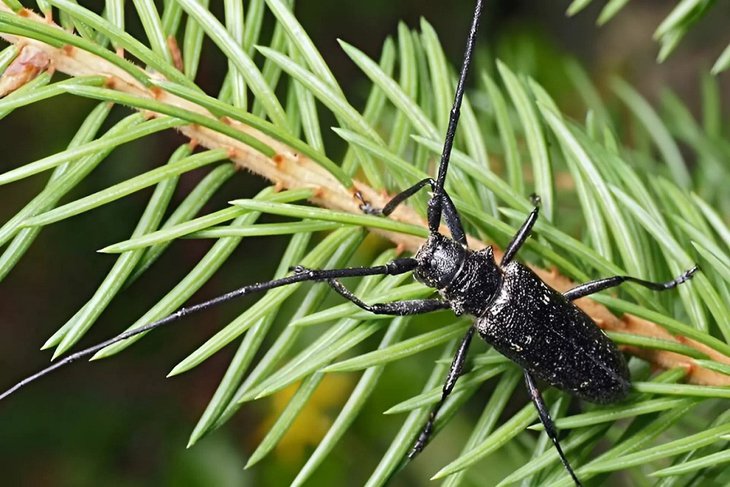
{"x":397,"y":308}
{"x":609,"y":282}
{"x":522,"y":234}
{"x":396,"y":200}
{"x":451,"y":216}
{"x":457,"y":365}
{"x":452,"y":219}
{"x":547,"y":421}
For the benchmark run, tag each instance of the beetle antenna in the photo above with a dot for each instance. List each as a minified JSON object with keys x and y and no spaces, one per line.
{"x":436,"y":204}
{"x":301,"y":274}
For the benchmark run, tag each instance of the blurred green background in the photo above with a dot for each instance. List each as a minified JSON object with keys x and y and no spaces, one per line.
{"x":119,"y":422}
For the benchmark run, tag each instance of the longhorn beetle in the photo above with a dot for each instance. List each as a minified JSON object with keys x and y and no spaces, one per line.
{"x":532,"y":324}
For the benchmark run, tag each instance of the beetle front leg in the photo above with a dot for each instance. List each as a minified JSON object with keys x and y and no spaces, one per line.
{"x":523,"y":233}
{"x":396,"y":200}
{"x":451,"y":216}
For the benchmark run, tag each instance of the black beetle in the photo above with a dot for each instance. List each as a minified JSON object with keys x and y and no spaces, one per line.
{"x":532,"y":324}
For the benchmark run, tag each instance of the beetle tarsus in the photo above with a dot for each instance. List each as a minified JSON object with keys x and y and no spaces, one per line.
{"x":366,"y":207}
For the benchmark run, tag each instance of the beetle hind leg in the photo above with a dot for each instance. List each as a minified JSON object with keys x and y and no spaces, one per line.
{"x":591,"y":287}
{"x":547,"y":422}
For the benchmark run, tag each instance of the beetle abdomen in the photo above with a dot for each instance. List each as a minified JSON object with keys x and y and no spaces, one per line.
{"x":542,"y":331}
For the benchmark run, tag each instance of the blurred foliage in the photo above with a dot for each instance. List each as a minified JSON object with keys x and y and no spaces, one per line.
{"x":680,"y":20}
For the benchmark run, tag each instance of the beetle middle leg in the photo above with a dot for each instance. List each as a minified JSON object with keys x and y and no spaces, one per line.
{"x":395,"y":308}
{"x":547,"y":421}
{"x":592,"y":287}
{"x":457,"y":365}
{"x":412,"y":307}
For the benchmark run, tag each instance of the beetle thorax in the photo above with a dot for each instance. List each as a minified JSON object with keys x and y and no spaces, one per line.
{"x":467,"y":279}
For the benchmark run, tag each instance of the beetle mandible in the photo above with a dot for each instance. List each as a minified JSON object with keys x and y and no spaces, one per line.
{"x":532,"y":324}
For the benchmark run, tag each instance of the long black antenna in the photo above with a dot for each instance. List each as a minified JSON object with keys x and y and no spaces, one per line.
{"x":436,"y":204}
{"x":398,"y":266}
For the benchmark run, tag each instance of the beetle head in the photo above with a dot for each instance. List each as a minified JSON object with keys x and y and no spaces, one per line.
{"x":439,"y":260}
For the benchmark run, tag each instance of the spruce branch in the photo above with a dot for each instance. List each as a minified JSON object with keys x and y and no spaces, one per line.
{"x":273,"y":158}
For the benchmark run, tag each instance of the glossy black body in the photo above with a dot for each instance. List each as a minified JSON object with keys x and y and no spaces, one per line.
{"x":526,"y":320}
{"x":537,"y":327}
